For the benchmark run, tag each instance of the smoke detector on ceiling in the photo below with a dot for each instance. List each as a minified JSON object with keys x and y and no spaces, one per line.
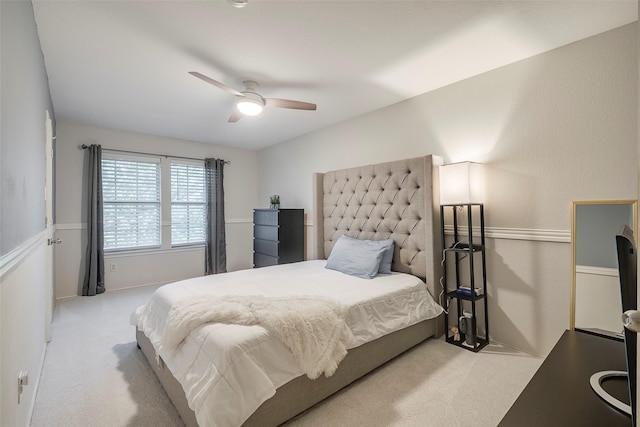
{"x":238,"y":3}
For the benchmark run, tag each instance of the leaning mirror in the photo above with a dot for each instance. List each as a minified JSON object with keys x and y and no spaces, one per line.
{"x":595,"y":288}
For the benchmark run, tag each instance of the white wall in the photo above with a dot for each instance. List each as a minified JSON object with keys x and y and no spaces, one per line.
{"x":160,"y":266}
{"x":598,"y":303}
{"x":24,"y":97}
{"x":557,"y":127}
{"x":23,"y":319}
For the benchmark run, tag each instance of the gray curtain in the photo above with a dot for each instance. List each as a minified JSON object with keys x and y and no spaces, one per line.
{"x":216,"y":245}
{"x":94,"y":261}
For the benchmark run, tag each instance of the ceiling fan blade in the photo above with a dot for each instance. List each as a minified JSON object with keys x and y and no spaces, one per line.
{"x":235,"y":116}
{"x":287,"y":103}
{"x":215,"y":83}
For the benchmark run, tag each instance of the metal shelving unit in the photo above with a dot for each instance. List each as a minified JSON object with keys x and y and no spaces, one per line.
{"x":476,"y":293}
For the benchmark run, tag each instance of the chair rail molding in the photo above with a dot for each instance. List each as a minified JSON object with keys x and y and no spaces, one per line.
{"x":15,"y":256}
{"x":541,"y":235}
{"x":596,"y":271}
{"x":558,"y":236}
{"x":83,"y":225}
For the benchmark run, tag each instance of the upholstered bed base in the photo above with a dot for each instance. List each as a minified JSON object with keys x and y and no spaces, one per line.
{"x":397,"y":200}
{"x":301,"y":393}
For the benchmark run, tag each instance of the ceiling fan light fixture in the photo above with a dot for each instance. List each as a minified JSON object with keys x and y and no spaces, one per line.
{"x":249,"y":106}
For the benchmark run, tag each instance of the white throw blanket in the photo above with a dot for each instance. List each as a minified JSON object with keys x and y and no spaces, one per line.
{"x":313,"y":328}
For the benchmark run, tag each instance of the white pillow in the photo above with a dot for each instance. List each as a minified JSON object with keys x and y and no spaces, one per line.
{"x":387,"y":256}
{"x":355,"y":257}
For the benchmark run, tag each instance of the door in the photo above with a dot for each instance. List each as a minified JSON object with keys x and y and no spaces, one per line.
{"x":48,"y":196}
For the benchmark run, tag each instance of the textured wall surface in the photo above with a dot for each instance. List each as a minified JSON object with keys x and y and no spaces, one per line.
{"x":550,"y":129}
{"x":24,"y":99}
{"x":161,"y":266}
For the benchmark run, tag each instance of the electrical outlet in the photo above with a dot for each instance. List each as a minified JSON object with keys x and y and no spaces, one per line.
{"x":113,"y":266}
{"x":23,"y":380}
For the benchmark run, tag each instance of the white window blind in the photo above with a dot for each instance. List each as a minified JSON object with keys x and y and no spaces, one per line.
{"x":131,"y":195}
{"x":188,"y":203}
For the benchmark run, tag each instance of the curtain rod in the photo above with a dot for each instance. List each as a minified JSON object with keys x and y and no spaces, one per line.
{"x":85,"y":146}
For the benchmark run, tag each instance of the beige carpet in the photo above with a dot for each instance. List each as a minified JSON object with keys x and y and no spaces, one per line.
{"x":94,"y":375}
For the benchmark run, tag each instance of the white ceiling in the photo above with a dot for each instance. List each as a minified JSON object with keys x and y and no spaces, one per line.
{"x":125,"y":64}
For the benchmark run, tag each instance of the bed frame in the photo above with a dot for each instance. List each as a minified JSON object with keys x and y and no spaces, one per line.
{"x":397,"y":200}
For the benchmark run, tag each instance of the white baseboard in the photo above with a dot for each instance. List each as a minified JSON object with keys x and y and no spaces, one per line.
{"x":36,"y":385}
{"x":126,"y":288}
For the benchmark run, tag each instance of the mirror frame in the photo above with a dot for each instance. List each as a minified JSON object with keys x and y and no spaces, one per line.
{"x":574,"y":207}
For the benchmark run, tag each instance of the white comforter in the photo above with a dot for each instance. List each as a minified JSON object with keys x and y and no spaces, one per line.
{"x":228,"y":370}
{"x":313,"y":328}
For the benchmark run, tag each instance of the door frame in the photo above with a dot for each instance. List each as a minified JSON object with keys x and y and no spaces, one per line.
{"x":49,"y":227}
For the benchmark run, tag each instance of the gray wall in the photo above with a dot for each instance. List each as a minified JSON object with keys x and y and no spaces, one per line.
{"x":24,"y":99}
{"x":596,"y":227}
{"x":550,"y":129}
{"x":24,"y":95}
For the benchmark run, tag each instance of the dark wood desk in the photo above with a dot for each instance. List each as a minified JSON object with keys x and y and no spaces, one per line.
{"x":559,"y":394}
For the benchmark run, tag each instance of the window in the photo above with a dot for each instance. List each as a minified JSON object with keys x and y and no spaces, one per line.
{"x":188,"y":203}
{"x":131,"y":195}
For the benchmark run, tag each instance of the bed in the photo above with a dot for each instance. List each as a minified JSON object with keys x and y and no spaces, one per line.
{"x":394,"y":200}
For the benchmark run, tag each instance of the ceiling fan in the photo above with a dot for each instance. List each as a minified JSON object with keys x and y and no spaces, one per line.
{"x":249,"y":102}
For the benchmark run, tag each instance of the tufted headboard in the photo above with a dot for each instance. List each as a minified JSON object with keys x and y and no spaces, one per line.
{"x":397,"y":200}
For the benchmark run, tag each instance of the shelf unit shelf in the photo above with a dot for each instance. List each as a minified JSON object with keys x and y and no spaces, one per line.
{"x":464,"y":247}
{"x":458,"y":252}
{"x":464,"y":297}
{"x":481,"y":343}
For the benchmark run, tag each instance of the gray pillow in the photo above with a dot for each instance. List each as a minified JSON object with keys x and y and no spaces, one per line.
{"x":355,"y":257}
{"x":387,"y":257}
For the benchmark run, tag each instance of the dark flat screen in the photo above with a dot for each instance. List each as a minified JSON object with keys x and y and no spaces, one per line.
{"x":627,"y":267}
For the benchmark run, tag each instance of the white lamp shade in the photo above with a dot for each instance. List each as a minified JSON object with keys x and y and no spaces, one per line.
{"x":461,"y":183}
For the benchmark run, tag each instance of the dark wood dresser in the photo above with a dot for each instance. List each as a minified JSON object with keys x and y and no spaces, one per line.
{"x":278,"y":236}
